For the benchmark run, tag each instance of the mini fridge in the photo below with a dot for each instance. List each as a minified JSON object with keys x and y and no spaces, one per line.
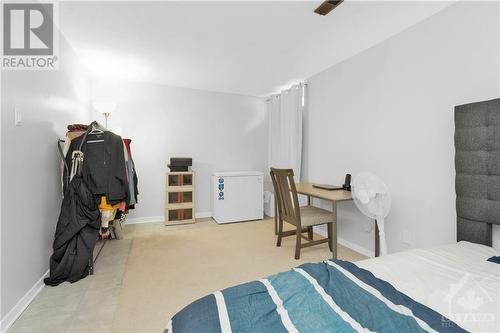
{"x":237,"y":196}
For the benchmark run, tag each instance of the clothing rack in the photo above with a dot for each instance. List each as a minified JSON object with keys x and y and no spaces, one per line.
{"x":95,"y":163}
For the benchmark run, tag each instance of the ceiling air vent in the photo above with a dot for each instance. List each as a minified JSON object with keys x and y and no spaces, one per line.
{"x":327,"y":6}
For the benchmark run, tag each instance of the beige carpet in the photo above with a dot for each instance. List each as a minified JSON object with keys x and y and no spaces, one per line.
{"x":168,"y":267}
{"x":88,"y":305}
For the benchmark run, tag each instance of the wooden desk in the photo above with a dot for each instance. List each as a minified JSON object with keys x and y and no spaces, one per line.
{"x":334,"y":196}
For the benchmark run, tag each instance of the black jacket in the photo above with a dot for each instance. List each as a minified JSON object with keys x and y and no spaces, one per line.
{"x":103,"y":165}
{"x":76,"y":234}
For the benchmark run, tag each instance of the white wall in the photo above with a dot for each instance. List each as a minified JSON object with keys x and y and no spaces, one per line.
{"x":30,"y":191}
{"x":219,"y":131}
{"x":389,"y":110}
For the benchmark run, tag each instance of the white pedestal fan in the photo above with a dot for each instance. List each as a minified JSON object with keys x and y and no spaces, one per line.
{"x":373,"y":199}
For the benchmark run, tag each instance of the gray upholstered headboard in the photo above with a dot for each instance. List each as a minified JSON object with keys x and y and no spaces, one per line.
{"x":477,"y":164}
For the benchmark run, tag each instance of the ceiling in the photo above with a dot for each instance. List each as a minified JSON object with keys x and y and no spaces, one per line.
{"x":252,"y":48}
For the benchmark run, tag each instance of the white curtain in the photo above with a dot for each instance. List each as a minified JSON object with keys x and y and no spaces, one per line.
{"x":285,"y":129}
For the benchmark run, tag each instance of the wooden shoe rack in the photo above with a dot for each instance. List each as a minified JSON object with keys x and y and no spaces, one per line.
{"x":179,"y":199}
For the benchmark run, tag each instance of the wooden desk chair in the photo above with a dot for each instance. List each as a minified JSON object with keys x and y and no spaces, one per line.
{"x":303,"y":218}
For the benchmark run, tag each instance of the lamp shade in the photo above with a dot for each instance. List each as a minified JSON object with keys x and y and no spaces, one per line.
{"x":104,"y":107}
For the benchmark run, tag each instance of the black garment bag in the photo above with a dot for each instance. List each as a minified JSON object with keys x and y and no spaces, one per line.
{"x":76,"y":232}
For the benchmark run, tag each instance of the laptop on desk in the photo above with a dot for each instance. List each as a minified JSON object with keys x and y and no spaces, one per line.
{"x":327,"y":187}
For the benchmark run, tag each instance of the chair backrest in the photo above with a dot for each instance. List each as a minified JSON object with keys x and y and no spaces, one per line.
{"x":286,"y":195}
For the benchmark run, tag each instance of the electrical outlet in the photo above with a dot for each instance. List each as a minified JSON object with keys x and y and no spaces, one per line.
{"x":406,"y":237}
{"x":18,"y":118}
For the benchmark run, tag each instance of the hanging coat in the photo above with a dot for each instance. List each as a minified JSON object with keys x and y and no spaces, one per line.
{"x":104,"y":168}
{"x":76,"y":234}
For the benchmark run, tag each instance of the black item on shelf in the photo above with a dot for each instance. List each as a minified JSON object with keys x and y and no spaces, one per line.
{"x":174,"y":168}
{"x":181,"y":161}
{"x":180,"y":164}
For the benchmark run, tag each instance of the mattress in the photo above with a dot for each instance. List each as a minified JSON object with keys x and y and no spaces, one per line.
{"x":451,"y":288}
{"x":455,"y":280}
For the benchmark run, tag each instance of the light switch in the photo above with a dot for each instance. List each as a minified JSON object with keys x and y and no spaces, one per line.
{"x":18,"y":119}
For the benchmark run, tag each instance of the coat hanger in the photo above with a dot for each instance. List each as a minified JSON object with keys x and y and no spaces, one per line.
{"x":96,"y":129}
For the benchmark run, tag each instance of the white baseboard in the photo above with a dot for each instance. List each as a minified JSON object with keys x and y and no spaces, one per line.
{"x":353,"y":246}
{"x":22,"y":304}
{"x":147,"y":219}
{"x":156,"y":219}
{"x":202,"y":215}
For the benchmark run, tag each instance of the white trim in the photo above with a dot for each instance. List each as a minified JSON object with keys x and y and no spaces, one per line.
{"x":329,"y":300}
{"x":225,"y":325}
{"x":157,"y":219}
{"x":358,"y":248}
{"x":320,"y":230}
{"x":353,"y":246}
{"x":147,"y":219}
{"x":285,"y":318}
{"x":22,"y":304}
{"x":202,"y":215}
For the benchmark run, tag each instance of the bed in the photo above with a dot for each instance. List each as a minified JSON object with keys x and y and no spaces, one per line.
{"x":451,"y":288}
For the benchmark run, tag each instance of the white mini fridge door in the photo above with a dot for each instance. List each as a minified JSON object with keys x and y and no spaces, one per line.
{"x":237,"y":196}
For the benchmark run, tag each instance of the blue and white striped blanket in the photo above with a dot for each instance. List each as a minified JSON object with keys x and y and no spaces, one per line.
{"x":332,"y":296}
